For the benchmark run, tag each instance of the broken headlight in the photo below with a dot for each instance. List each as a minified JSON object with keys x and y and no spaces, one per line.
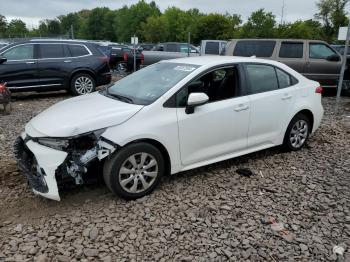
{"x":55,"y":143}
{"x":80,"y":143}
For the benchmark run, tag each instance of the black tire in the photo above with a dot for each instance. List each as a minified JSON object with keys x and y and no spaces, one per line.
{"x":287,"y":143}
{"x":89,"y":87}
{"x":122,"y":67}
{"x":112,"y":169}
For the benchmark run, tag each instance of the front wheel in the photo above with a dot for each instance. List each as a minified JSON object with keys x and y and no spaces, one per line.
{"x":297,"y":133}
{"x":82,"y":84}
{"x":134,"y":171}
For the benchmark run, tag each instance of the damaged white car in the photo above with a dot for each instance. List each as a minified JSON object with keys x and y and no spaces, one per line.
{"x":166,"y":118}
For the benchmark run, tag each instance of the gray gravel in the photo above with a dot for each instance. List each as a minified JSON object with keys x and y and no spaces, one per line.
{"x":295,"y":209}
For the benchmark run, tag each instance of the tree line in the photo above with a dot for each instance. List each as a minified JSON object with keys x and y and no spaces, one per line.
{"x":151,"y":25}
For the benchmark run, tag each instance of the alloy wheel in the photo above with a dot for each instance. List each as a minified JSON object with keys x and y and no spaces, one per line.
{"x":83,"y":85}
{"x":299,"y":133}
{"x":138,"y":172}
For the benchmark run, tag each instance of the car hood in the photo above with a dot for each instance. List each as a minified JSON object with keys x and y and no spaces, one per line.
{"x":79,"y":115}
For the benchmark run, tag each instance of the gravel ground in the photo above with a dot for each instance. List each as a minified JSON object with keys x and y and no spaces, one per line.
{"x":296,"y":207}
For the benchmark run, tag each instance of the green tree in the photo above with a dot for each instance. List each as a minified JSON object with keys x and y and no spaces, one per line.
{"x":308,"y":29}
{"x":216,"y":26}
{"x":332,"y":14}
{"x":3,"y":26}
{"x":129,"y":19}
{"x":260,"y":24}
{"x":17,"y":28}
{"x":155,"y":30}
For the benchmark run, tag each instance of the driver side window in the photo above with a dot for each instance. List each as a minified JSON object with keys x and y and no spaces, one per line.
{"x":320,"y":51}
{"x":21,"y":52}
{"x":218,"y":85}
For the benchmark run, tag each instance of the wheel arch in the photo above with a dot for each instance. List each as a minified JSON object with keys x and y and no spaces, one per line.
{"x":160,"y":147}
{"x":308,"y":113}
{"x":83,"y":71}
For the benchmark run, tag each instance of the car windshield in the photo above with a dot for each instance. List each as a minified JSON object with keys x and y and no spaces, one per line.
{"x":148,"y":84}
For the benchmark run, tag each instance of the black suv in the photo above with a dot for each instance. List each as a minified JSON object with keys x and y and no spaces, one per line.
{"x":47,"y":65}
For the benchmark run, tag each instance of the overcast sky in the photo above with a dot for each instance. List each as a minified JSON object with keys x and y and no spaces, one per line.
{"x":31,"y":11}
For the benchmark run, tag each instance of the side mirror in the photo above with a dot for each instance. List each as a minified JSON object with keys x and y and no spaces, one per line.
{"x":194,"y":100}
{"x":3,"y":60}
{"x":333,"y":58}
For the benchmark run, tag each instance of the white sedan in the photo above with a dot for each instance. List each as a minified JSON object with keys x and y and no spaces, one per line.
{"x":169,"y":117}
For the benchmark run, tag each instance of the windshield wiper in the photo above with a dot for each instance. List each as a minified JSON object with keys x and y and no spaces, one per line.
{"x":121,"y":98}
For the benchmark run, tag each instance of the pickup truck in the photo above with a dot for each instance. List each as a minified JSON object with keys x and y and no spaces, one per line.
{"x":172,"y":50}
{"x":166,"y":51}
{"x":122,"y":58}
{"x":315,"y":59}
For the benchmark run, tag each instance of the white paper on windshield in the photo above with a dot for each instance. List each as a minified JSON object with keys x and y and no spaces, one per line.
{"x":185,"y":68}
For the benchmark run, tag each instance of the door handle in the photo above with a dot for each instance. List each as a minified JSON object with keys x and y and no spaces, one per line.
{"x":30,"y":63}
{"x":286,"y":97}
{"x":67,"y":61}
{"x":241,"y":108}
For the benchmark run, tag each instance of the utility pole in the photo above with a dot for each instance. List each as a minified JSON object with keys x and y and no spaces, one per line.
{"x":189,"y":43}
{"x":71,"y":32}
{"x":282,"y":15}
{"x":341,"y":79}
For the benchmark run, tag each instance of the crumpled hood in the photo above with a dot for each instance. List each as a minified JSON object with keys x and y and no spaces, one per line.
{"x":79,"y":115}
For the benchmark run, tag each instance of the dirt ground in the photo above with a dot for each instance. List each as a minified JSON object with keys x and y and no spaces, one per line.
{"x":296,"y":207}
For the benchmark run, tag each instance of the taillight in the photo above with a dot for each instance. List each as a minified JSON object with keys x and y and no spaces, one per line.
{"x":125,"y":57}
{"x":142,"y":58}
{"x":319,"y":90}
{"x":2,"y":88}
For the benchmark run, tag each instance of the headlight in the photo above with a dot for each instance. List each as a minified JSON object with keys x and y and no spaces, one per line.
{"x":55,"y":143}
{"x":81,"y":142}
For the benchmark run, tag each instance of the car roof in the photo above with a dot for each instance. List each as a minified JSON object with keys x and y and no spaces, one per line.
{"x":218,"y":60}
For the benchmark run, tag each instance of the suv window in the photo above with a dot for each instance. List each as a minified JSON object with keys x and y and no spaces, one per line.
{"x":254,"y":48}
{"x":212,"y":48}
{"x":171,"y":48}
{"x":291,"y":50}
{"x":78,"y":50}
{"x":219,"y":85}
{"x":184,"y":48}
{"x":21,"y":52}
{"x":262,"y":78}
{"x":51,"y":50}
{"x":320,"y":51}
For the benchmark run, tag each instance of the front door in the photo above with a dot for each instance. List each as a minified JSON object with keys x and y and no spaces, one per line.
{"x":319,"y":68}
{"x":219,"y":127}
{"x":20,"y":70}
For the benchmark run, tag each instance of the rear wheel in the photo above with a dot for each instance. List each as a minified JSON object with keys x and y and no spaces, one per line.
{"x":134,"y":171}
{"x":297,"y":133}
{"x":82,"y":84}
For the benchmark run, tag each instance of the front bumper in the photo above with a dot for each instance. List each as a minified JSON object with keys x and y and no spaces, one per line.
{"x":39,"y":164}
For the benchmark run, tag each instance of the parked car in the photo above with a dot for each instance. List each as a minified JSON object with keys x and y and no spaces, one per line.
{"x":314,"y":59}
{"x":212,"y":47}
{"x":122,"y":58}
{"x":145,"y":47}
{"x":170,"y":50}
{"x":188,"y":113}
{"x":341,"y":49}
{"x":46,"y":65}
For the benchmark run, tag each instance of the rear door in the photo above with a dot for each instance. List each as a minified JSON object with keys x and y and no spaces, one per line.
{"x":293,"y":54}
{"x":20,"y":70}
{"x":319,"y":68}
{"x":52,"y":64}
{"x":272,"y":95}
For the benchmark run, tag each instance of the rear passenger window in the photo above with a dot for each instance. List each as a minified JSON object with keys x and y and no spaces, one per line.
{"x":51,"y":51}
{"x":284,"y":79}
{"x":254,"y":48}
{"x":262,"y":78}
{"x":212,"y":48}
{"x":291,"y":50}
{"x":78,"y":50}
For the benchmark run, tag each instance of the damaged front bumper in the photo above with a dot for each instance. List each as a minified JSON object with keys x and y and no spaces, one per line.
{"x":42,"y":165}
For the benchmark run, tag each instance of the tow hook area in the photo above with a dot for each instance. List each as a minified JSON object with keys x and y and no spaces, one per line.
{"x":77,"y":165}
